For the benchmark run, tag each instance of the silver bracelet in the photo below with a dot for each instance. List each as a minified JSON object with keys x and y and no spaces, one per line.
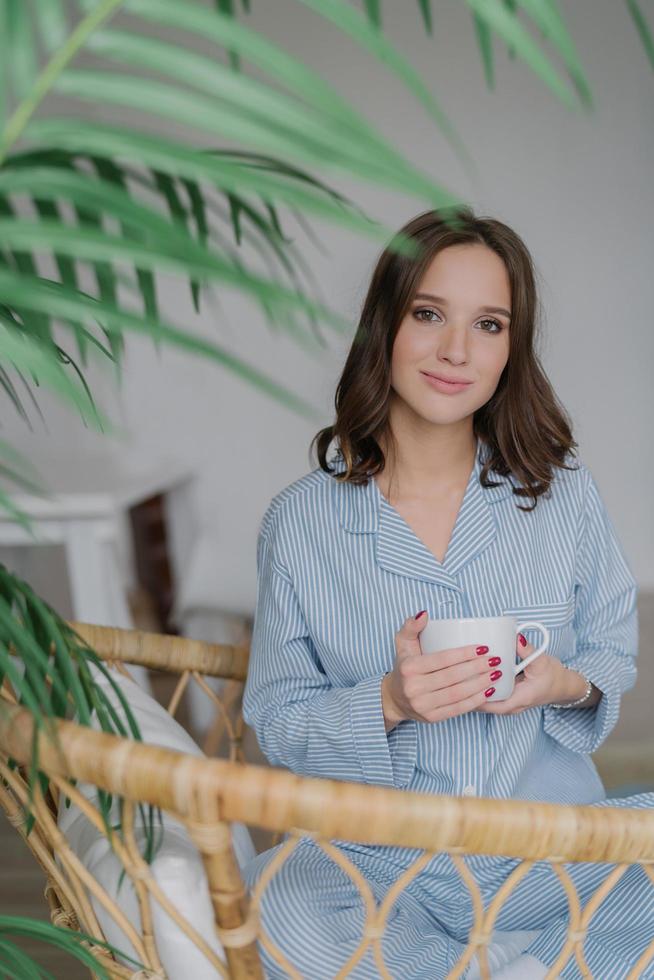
{"x":582,"y":699}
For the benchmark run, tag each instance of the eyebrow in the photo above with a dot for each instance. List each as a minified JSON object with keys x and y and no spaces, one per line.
{"x":499,"y":310}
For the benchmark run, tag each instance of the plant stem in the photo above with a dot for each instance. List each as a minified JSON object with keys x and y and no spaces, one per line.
{"x":19,"y":119}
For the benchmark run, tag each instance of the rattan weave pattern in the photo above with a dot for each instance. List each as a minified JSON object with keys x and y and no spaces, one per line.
{"x":207,"y":794}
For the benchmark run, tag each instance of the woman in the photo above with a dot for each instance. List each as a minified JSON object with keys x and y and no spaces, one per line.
{"x":446,"y":498}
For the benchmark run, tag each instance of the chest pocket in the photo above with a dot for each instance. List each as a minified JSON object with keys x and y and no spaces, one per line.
{"x":557,"y":616}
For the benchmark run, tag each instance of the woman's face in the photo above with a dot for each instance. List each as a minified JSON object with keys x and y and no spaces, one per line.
{"x":457,"y":327}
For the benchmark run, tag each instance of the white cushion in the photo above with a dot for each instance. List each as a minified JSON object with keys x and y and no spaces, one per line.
{"x":526,"y":967}
{"x":177,"y":866}
{"x":504,"y":961}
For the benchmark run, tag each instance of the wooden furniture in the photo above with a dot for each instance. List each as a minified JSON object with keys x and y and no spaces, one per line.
{"x":86,"y":512}
{"x":207,"y":794}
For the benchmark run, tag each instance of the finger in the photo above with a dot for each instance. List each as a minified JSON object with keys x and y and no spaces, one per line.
{"x":523,"y":649}
{"x":470,"y":703}
{"x":430,"y":662}
{"x":512,"y":704}
{"x":426,"y":703}
{"x":407,"y":643}
{"x":418,"y":683}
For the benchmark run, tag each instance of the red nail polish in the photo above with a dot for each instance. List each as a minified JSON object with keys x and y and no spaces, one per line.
{"x":522,"y":640}
{"x":491,"y":690}
{"x":495,"y":676}
{"x":481,"y":650}
{"x":421,"y":613}
{"x":494,"y":661}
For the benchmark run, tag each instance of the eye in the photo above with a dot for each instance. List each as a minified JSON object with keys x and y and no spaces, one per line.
{"x":417,"y":313}
{"x":432,"y":313}
{"x":497,"y":324}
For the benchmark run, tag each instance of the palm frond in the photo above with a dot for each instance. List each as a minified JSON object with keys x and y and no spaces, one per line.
{"x":20,"y":50}
{"x":14,"y":962}
{"x":484,"y":37}
{"x":643,"y":29}
{"x":90,"y":215}
{"x":373,"y":12}
{"x":425,"y":11}
{"x":299,"y":117}
{"x":501,"y":19}
{"x":355,"y":25}
{"x":547,"y":16}
{"x":77,"y":307}
{"x":18,"y":469}
{"x":49,"y":668}
{"x":52,"y":24}
{"x":42,"y":361}
{"x":269,"y":119}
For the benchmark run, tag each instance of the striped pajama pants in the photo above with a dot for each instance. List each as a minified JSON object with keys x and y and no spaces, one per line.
{"x":313,"y":911}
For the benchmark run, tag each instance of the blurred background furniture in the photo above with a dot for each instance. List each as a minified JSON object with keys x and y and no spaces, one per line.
{"x":98,"y":549}
{"x":214,"y":602}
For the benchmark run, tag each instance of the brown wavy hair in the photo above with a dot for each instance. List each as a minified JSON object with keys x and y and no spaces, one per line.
{"x":525,"y":427}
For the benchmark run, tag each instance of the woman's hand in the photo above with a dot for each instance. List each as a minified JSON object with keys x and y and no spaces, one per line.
{"x":544,"y":681}
{"x":433,"y":686}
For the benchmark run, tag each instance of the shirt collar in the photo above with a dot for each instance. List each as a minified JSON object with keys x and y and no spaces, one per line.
{"x":364,"y":510}
{"x":358,"y":505}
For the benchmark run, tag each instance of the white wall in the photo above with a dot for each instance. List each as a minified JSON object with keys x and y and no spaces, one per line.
{"x":576,"y":186}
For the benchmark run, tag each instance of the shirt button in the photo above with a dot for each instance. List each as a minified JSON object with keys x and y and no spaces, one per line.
{"x":469,"y":790}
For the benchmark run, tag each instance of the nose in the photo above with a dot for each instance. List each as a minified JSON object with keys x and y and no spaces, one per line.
{"x":453,"y":344}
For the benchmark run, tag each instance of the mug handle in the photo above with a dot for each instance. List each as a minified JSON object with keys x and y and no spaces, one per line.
{"x":537,"y":652}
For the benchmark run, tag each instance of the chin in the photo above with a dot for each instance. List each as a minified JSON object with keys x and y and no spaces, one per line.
{"x":443,"y":417}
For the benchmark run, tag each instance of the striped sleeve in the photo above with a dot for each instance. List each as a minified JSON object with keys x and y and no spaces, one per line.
{"x":606,"y":630}
{"x":301,"y":721}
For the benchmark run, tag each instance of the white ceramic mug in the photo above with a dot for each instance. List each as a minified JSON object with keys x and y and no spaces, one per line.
{"x":498,"y":633}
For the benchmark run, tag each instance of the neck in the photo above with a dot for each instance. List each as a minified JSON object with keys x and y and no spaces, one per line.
{"x":428,"y":461}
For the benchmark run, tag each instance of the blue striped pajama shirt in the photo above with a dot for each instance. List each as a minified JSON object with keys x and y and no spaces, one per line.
{"x":339,"y":570}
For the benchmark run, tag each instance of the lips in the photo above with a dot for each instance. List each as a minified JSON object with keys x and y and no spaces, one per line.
{"x":451,"y":381}
{"x":445,"y":387}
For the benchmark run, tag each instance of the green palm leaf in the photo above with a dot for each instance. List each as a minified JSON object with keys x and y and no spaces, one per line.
{"x":98,"y":246}
{"x":485,"y":41}
{"x":154,"y":54}
{"x":51,"y":22}
{"x":498,"y":17}
{"x":55,"y":680}
{"x":289,"y":71}
{"x":425,"y":10}
{"x":156,"y":152}
{"x":351,"y":22}
{"x":310,"y":122}
{"x":273,"y":112}
{"x":139,"y":224}
{"x":16,"y":469}
{"x":643,"y":29}
{"x":78,"y":307}
{"x":20,"y":46}
{"x":547,"y":16}
{"x":44,"y":180}
{"x":14,"y":962}
{"x":42,"y":361}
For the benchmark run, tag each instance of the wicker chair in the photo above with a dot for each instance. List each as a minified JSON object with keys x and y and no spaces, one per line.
{"x":217,"y":792}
